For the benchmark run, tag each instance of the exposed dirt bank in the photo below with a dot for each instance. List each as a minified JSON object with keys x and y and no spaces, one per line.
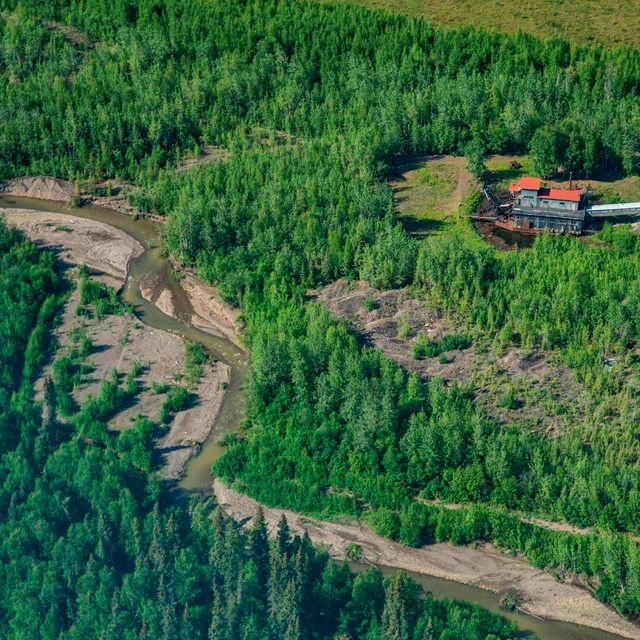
{"x":104,"y":249}
{"x":48,"y":188}
{"x":548,"y":394}
{"x":119,"y":341}
{"x":483,"y":567}
{"x":41,"y":187}
{"x":209,"y":312}
{"x":207,"y":309}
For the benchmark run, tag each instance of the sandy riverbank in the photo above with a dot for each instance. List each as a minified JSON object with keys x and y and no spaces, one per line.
{"x":105,"y":250}
{"x":210,"y":312}
{"x":207,"y":311}
{"x":57,"y":190}
{"x":484,"y":567}
{"x":119,"y":341}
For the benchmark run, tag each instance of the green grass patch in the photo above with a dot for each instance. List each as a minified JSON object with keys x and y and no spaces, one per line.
{"x":434,"y":197}
{"x":608,"y":22}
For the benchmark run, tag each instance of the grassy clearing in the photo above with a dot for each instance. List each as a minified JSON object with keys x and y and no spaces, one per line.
{"x":433,"y":195}
{"x":611,"y":22}
{"x":500,"y":171}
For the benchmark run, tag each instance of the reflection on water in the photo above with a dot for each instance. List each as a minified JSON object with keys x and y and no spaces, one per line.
{"x":504,"y":239}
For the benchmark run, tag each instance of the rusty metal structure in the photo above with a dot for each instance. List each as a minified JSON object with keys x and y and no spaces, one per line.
{"x":532,"y":208}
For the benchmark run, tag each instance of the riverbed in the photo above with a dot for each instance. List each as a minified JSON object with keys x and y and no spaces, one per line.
{"x":152,"y":263}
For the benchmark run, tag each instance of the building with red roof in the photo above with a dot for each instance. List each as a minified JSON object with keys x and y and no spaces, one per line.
{"x":538,"y":207}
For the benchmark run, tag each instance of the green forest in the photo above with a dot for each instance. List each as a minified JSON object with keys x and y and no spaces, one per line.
{"x":336,"y":93}
{"x":92,"y":546}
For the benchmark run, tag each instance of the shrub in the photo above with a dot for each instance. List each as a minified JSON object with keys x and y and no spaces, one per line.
{"x":195,"y":356}
{"x":177,"y":400}
{"x":509,"y":400}
{"x":385,"y":522}
{"x":354,"y":552}
{"x":404,"y":326}
{"x":425,"y":347}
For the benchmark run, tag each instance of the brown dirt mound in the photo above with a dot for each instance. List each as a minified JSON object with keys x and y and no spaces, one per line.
{"x":548,"y":393}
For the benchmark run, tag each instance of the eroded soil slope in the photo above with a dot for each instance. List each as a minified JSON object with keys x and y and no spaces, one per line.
{"x":543,"y":391}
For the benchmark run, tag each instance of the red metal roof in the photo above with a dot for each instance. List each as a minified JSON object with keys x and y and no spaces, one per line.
{"x":530,"y":183}
{"x":572,"y":195}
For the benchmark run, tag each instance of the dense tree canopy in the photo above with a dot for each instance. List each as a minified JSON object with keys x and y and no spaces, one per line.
{"x":165,"y":77}
{"x":90,"y":546}
{"x":312,"y":102}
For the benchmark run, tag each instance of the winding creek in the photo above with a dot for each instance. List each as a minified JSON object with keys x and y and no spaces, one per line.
{"x":152,"y":262}
{"x":197,"y":476}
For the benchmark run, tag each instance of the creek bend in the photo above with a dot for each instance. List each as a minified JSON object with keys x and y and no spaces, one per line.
{"x":152,"y":261}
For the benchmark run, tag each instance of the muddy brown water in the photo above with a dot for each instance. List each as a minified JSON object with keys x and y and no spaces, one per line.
{"x":153,"y":263}
{"x":529,"y":626}
{"x":504,"y":239}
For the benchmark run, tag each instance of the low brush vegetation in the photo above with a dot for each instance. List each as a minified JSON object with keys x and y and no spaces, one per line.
{"x":425,"y":347}
{"x":96,"y":298}
{"x":176,"y":400}
{"x":195,"y":357}
{"x":606,"y":22}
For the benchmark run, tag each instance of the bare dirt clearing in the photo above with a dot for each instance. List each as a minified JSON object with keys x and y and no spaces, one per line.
{"x":74,"y":36}
{"x":484,"y":567}
{"x":548,"y":395}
